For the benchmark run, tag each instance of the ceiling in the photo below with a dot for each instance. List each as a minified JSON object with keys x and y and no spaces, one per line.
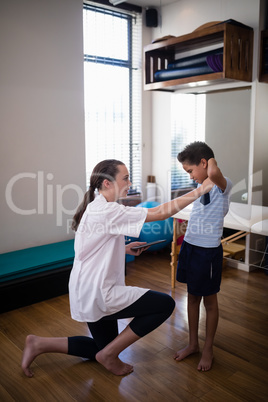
{"x":151,"y":3}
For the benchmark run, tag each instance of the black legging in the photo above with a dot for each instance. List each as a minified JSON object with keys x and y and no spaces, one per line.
{"x":149,"y":311}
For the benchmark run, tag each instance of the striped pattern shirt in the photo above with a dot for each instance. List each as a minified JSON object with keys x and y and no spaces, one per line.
{"x":205,"y":225}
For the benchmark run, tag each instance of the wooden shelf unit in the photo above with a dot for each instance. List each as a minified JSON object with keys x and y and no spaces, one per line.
{"x":263,"y":76}
{"x":237,"y":42}
{"x":234,"y":245}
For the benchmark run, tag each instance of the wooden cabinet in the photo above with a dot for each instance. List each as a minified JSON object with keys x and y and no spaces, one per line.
{"x":236,"y":40}
{"x":263,"y":76}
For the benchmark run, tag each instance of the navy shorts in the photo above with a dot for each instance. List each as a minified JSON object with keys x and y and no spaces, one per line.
{"x":200,"y":268}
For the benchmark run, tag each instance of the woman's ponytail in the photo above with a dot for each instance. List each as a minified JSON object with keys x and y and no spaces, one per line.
{"x":106,"y":169}
{"x":88,"y":197}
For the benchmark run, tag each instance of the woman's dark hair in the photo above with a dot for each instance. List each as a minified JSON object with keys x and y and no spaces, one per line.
{"x":194,"y":152}
{"x":106,"y":169}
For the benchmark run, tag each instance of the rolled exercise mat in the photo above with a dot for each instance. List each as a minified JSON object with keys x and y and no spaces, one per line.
{"x":195,"y":60}
{"x":215,"y":61}
{"x":175,"y":73}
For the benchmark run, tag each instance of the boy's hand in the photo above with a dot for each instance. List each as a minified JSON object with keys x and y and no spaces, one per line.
{"x":215,"y":174}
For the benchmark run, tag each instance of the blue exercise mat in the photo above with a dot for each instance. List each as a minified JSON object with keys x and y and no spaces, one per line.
{"x":175,"y":73}
{"x":197,"y":60}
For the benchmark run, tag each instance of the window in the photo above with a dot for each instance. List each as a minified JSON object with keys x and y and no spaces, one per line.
{"x":112,"y":81}
{"x":188,"y":125}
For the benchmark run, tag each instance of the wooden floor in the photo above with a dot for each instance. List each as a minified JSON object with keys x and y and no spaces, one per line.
{"x":239,"y":372}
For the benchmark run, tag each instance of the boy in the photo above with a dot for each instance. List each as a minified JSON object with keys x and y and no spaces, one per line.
{"x":200,"y":258}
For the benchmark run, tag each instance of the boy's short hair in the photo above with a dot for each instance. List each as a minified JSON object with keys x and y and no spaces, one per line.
{"x":194,"y":152}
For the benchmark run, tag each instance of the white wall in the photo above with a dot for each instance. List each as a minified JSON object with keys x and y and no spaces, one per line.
{"x":228,"y":134}
{"x":180,"y":18}
{"x":184,"y":16}
{"x":41,"y":121}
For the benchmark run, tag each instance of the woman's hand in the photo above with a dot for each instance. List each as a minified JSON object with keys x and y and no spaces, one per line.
{"x":130,"y":251}
{"x":206,"y":186}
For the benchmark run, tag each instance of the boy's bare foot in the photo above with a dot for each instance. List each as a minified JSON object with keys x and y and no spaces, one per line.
{"x":113,"y":364}
{"x":206,"y":360}
{"x":188,"y":350}
{"x":29,"y":354}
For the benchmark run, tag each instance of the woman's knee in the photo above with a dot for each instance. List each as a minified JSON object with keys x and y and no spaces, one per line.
{"x":169,"y":303}
{"x":158,"y":302}
{"x":159,"y":308}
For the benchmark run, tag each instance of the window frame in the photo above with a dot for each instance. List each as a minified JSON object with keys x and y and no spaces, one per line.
{"x":135,"y":146}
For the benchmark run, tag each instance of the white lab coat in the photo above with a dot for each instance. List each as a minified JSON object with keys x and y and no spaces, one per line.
{"x":97,"y":281}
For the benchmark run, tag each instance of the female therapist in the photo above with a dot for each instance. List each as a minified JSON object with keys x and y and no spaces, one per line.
{"x":97,"y":290}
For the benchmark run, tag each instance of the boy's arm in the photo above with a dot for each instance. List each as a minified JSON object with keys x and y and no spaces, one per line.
{"x":215,"y":174}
